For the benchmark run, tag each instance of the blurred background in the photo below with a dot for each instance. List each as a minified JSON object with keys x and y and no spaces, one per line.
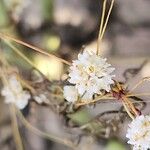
{"x":64,"y":28}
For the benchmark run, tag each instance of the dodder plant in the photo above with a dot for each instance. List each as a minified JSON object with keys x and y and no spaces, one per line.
{"x":90,"y":81}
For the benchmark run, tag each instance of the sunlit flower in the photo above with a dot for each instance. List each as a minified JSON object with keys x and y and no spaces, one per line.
{"x":139,"y":133}
{"x":14,"y":93}
{"x":70,"y":93}
{"x":91,"y":74}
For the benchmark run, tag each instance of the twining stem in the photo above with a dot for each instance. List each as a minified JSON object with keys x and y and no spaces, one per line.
{"x":130,"y":105}
{"x":138,"y":94}
{"x":98,"y":98}
{"x":4,"y":37}
{"x":109,"y":97}
{"x":26,"y":84}
{"x":26,"y":59}
{"x":51,"y":137}
{"x":19,"y":53}
{"x":101,"y":26}
{"x":127,"y":110}
{"x":107,"y":18}
{"x":139,"y":83}
{"x":16,"y":134}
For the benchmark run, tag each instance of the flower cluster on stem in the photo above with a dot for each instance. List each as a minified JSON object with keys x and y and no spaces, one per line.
{"x":14,"y":93}
{"x":89,"y":75}
{"x":138,"y":133}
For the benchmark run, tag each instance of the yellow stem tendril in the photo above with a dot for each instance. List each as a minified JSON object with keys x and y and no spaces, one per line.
{"x":4,"y":37}
{"x":139,"y":83}
{"x":107,"y":18}
{"x":128,"y":112}
{"x":86,"y":102}
{"x":101,"y":26}
{"x":131,"y":106}
{"x":43,"y":134}
{"x":16,"y":134}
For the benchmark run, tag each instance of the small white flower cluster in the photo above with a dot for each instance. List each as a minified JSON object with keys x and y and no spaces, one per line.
{"x":139,"y":133}
{"x":41,"y":98}
{"x":89,"y":74}
{"x":70,"y":93}
{"x":14,"y":93}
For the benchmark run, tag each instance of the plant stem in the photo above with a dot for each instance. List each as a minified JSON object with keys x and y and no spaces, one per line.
{"x":4,"y":37}
{"x":101,"y":26}
{"x":16,"y":134}
{"x":43,"y":134}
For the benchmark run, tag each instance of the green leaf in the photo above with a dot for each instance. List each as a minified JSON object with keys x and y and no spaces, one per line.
{"x":80,"y":117}
{"x":115,"y":145}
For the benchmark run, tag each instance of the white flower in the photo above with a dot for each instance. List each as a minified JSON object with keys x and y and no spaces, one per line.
{"x":91,"y":74}
{"x":139,"y":133}
{"x":70,"y":93}
{"x":41,"y":98}
{"x":14,"y":93}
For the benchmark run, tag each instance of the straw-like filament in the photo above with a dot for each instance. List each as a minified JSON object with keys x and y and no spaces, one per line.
{"x":7,"y":37}
{"x":102,"y":24}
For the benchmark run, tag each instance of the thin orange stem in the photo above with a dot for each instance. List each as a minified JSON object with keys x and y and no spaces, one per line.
{"x":138,"y":94}
{"x":101,"y":26}
{"x":4,"y":37}
{"x":99,"y":98}
{"x":130,"y":105}
{"x":127,"y":110}
{"x":107,"y":18}
{"x":139,"y":83}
